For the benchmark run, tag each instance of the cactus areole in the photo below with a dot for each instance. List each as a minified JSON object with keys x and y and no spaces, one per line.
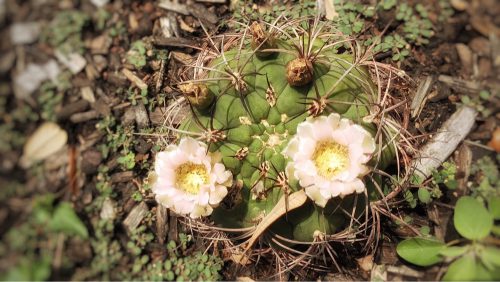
{"x":284,"y":115}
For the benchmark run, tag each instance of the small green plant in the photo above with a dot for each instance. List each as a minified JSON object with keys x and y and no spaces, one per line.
{"x":479,"y":102}
{"x":388,"y":4}
{"x":243,"y":11}
{"x":118,"y":29}
{"x":397,"y":44}
{"x":133,"y":96}
{"x":119,"y":139}
{"x":45,"y":221}
{"x":127,"y":161}
{"x":418,"y":29}
{"x":488,"y":177}
{"x":476,"y":257}
{"x":65,"y":31}
{"x":181,"y":265}
{"x":428,"y":190}
{"x":137,"y":54}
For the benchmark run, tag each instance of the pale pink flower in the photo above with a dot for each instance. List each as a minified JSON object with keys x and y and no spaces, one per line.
{"x":188,"y":180}
{"x":328,"y":156}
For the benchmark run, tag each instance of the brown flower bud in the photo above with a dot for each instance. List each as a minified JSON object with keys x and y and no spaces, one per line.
{"x":198,"y":95}
{"x":261,"y":40}
{"x":299,"y":72}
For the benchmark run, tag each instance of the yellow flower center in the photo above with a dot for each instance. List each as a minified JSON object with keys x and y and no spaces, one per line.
{"x":330,"y":158}
{"x":190,"y":177}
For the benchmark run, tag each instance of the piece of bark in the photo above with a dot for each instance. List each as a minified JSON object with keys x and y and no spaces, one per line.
{"x":121,"y":177}
{"x":83,"y":117}
{"x":87,"y":94}
{"x":135,"y":217}
{"x":91,"y":159}
{"x":108,"y":211}
{"x":169,"y":26}
{"x":173,"y":233}
{"x":212,"y":1}
{"x":161,"y":223}
{"x":418,"y":102}
{"x":464,"y":162}
{"x":444,"y":142}
{"x":201,"y":12}
{"x":461,"y":85}
{"x":465,"y":55}
{"x":70,"y":109}
{"x":128,"y":117}
{"x":484,"y":25}
{"x":174,"y":6}
{"x":495,"y":50}
{"x":134,"y":79}
{"x":480,"y":46}
{"x":405,"y":271}
{"x":174,"y":42}
{"x":141,"y":116}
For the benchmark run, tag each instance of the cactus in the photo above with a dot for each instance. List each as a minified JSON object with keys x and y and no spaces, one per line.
{"x":250,"y":97}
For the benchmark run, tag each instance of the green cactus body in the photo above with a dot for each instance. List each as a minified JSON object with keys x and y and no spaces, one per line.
{"x":259,"y":112}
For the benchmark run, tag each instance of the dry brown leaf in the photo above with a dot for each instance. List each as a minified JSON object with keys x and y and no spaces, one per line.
{"x":330,"y":11}
{"x":45,"y":141}
{"x":295,"y":200}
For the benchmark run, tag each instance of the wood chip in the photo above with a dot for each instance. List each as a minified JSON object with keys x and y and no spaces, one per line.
{"x":161,"y":223}
{"x":379,"y":273}
{"x":480,"y":46}
{"x":7,"y":60}
{"x":202,"y":13}
{"x":70,"y":109}
{"x":443,"y":143}
{"x":464,"y":163}
{"x":74,"y":61}
{"x":28,"y":80}
{"x":141,"y":116}
{"x":405,"y":271}
{"x":461,"y":85}
{"x":24,"y":33}
{"x":100,"y":44}
{"x":47,"y":139}
{"x":459,"y":5}
{"x":174,"y":6}
{"x":365,"y":263}
{"x":184,"y":26}
{"x":83,"y":117}
{"x":212,"y":1}
{"x":420,"y":97}
{"x":99,"y":3}
{"x":169,"y":27}
{"x":108,"y":211}
{"x":465,"y":55}
{"x":484,"y":25}
{"x":174,"y":42}
{"x":90,"y":161}
{"x":135,"y":217}
{"x":134,"y":79}
{"x":121,"y":177}
{"x":87,"y":94}
{"x":495,"y":50}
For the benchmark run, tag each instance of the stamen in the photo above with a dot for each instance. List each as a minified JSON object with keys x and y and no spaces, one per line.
{"x":190,"y":177}
{"x":330,"y":158}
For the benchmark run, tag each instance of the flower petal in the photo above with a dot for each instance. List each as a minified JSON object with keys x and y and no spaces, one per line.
{"x":217,"y":195}
{"x":314,"y":193}
{"x":360,"y":146}
{"x":209,"y":194}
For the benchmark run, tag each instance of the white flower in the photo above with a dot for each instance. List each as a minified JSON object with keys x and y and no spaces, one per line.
{"x":188,"y":180}
{"x":328,"y":154}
